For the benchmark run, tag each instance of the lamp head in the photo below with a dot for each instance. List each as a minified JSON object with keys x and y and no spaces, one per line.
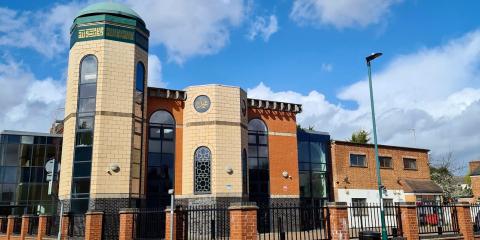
{"x":373,"y":56}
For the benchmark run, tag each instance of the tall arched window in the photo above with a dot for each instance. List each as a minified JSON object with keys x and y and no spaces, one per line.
{"x":82,"y":160}
{"x":139,"y":83}
{"x":258,"y":167}
{"x":202,"y":165}
{"x":161,"y":149}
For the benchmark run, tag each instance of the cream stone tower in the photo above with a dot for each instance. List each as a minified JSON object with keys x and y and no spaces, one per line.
{"x":215,"y":145}
{"x":103,"y":127}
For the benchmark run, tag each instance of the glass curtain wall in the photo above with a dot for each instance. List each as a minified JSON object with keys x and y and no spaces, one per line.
{"x":23,"y":184}
{"x":160,"y":166}
{"x":313,"y":166}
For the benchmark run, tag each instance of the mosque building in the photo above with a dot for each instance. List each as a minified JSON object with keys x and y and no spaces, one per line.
{"x":125,"y":145}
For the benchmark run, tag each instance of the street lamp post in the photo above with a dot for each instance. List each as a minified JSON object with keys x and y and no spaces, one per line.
{"x":379,"y":178}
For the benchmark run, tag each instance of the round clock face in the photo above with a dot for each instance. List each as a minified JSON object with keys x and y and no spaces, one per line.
{"x":201,"y":103}
{"x":244,"y":108}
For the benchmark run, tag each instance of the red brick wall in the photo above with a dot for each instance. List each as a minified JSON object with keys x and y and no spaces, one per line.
{"x":243,"y":223}
{"x":409,"y":220}
{"x":339,"y":229}
{"x":365,"y":177}
{"x":475,"y":187}
{"x":93,"y":225}
{"x":282,"y":149}
{"x":175,"y":107}
{"x":464,"y":220}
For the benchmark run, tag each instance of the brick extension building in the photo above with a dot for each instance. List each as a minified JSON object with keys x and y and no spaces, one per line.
{"x":405,"y":174}
{"x":474,"y":169}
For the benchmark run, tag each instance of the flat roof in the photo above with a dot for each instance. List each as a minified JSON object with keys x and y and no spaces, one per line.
{"x":369,"y":145}
{"x":25,"y":133}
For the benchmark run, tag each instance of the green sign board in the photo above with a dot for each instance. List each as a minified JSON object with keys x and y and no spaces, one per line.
{"x":105,"y":31}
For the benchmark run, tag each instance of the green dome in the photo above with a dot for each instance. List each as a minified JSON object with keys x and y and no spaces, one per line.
{"x":108,"y":7}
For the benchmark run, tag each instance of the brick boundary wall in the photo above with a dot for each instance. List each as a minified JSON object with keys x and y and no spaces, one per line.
{"x":42,"y":226}
{"x":408,"y":213}
{"x":339,"y":229}
{"x":25,"y":224}
{"x":126,"y":229}
{"x":465,"y":223}
{"x":243,"y":221}
{"x":65,"y":225}
{"x":179,"y":233}
{"x":11,"y":219}
{"x":93,"y":225}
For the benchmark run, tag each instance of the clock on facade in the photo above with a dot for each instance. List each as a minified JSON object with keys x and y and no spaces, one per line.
{"x":201,"y":103}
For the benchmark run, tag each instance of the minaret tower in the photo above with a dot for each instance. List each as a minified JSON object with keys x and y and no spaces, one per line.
{"x":104,"y":110}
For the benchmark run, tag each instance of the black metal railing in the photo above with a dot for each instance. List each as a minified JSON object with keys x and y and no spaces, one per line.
{"x":206,"y":222}
{"x":3,"y":225}
{"x":437,"y":219}
{"x":367,"y":217}
{"x":17,"y":225}
{"x":110,"y":226}
{"x":149,"y":224}
{"x":475,"y":214}
{"x":293,"y":221}
{"x":76,"y":227}
{"x":33,"y":225}
{"x":53,"y":225}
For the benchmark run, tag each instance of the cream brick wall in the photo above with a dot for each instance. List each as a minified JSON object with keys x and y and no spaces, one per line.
{"x":113,"y":134}
{"x":224,"y":141}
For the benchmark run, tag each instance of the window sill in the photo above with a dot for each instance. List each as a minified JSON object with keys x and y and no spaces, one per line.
{"x":387,"y":168}
{"x":358,"y":166}
{"x":411,"y":169}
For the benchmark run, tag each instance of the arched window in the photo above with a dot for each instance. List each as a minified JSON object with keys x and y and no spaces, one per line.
{"x":140,"y":78}
{"x":258,"y":166}
{"x":162,"y":117}
{"x":82,"y":160}
{"x":202,"y":163}
{"x":161,"y":155}
{"x":139,"y":84}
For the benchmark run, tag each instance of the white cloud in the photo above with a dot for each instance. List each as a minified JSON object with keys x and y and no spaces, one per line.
{"x":155,"y":72}
{"x":435,"y":91}
{"x":263,"y":27}
{"x":186,"y":28}
{"x":27,"y":103}
{"x":327,"y":67}
{"x":46,"y":32}
{"x":340,"y":13}
{"x":190,"y":28}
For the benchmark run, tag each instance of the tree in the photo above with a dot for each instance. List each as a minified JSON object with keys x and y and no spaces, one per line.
{"x":360,"y":136}
{"x":310,"y":127}
{"x":442,"y":171}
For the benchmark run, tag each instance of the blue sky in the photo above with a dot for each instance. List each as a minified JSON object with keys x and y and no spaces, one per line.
{"x":311,"y":52}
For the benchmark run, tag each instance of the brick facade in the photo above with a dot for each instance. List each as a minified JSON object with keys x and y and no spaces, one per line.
{"x":282,"y":150}
{"x":345,"y":176}
{"x":474,"y":168}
